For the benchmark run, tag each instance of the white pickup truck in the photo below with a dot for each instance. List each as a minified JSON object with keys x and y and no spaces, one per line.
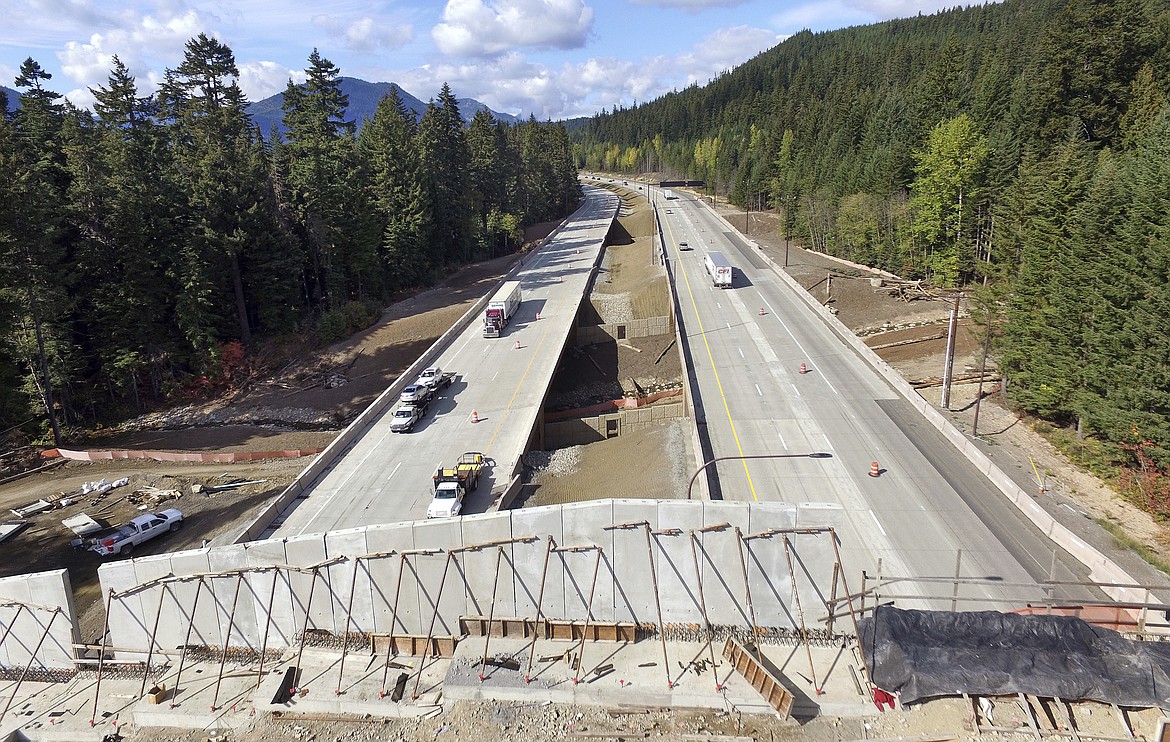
{"x":138,"y":531}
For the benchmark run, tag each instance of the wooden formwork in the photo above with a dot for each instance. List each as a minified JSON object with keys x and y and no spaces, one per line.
{"x":760,"y":678}
{"x":413,"y":645}
{"x":573,"y":630}
{"x":497,"y":627}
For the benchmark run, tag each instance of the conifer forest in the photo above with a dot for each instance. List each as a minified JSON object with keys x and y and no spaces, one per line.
{"x":150,"y":243}
{"x":1017,"y":151}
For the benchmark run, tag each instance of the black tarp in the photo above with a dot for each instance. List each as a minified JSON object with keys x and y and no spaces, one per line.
{"x":925,"y":654}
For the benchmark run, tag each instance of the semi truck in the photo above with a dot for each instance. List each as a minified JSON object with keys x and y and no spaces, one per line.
{"x":500,"y":309}
{"x":668,"y":194}
{"x":719,"y":270}
{"x":453,"y":484}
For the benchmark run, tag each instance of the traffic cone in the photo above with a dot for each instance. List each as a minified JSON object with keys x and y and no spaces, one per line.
{"x":538,"y":316}
{"x":803,"y":369}
{"x":517,"y":345}
{"x":761,"y":311}
{"x":875,"y":470}
{"x":474,"y":416}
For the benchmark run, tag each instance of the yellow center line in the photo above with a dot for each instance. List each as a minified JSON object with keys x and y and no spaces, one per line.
{"x":711,"y":358}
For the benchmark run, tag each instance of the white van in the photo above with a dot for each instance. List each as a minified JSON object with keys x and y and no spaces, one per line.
{"x":719,"y":270}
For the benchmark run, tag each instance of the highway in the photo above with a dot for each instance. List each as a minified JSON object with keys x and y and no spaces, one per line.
{"x":746,"y":347}
{"x":385,"y":477}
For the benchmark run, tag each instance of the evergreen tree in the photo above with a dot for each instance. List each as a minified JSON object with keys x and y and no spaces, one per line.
{"x":445,"y":165}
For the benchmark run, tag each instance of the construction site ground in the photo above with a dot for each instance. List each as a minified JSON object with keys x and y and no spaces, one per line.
{"x":306,"y":398}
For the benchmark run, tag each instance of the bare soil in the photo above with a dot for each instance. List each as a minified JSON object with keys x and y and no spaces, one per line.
{"x":295,"y":409}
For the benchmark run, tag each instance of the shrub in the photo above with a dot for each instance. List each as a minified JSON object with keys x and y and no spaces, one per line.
{"x":354,"y":316}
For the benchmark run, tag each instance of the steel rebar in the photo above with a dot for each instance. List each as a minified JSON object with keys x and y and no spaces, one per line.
{"x":357,"y":562}
{"x":227,"y":640}
{"x":422,"y":665}
{"x":800,"y":614}
{"x":186,"y":641}
{"x":539,"y":601}
{"x":491,"y":614}
{"x":305,"y":628}
{"x":703,"y":608}
{"x":153,"y":636}
{"x":32,"y":658}
{"x":267,"y":627}
{"x":588,"y":614}
{"x":102,"y":658}
{"x":748,"y":590}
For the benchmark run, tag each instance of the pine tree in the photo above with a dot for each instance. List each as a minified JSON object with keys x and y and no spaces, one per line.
{"x":444,"y":158}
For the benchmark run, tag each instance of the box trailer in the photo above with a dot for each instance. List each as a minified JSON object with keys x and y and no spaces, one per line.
{"x":719,"y":270}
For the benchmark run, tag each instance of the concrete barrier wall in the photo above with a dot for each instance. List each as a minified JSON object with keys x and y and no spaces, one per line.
{"x":38,"y":620}
{"x":581,"y":431}
{"x":1102,"y":569}
{"x":402,"y":577}
{"x":637,"y":328}
{"x":213,"y":458}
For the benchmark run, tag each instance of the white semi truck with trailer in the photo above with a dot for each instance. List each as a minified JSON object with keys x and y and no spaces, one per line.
{"x":500,"y":309}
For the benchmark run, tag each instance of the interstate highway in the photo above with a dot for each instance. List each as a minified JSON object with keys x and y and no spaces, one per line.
{"x":385,"y":477}
{"x":929,"y":501}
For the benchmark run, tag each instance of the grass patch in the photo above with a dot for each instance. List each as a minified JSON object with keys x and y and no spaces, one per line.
{"x":1125,"y":541}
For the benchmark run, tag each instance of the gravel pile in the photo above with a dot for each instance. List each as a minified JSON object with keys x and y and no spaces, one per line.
{"x":558,"y":463}
{"x":613,"y":308}
{"x":190,"y":416}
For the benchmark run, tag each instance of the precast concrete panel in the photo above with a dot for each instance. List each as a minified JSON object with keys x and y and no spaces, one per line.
{"x":583,"y":524}
{"x":384,"y":576}
{"x":194,"y":605}
{"x":818,"y":557}
{"x":233,"y":596}
{"x":528,"y":561}
{"x":723,"y":583}
{"x":311,"y":590}
{"x":350,"y":580}
{"x":767,"y":565}
{"x":438,"y":593}
{"x":634,"y":588}
{"x":127,"y":626}
{"x":142,"y":608}
{"x":271,"y":594}
{"x":480,"y":578}
{"x":26,"y":627}
{"x":677,"y":581}
{"x":54,"y":589}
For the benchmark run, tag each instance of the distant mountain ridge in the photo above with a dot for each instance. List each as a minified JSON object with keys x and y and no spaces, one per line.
{"x":363,"y":101}
{"x":13,"y":97}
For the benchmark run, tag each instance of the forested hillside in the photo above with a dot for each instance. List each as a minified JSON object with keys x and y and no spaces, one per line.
{"x":1020,"y":148}
{"x":147,"y":247}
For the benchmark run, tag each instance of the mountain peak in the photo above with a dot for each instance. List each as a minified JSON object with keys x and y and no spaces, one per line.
{"x":363,"y":100}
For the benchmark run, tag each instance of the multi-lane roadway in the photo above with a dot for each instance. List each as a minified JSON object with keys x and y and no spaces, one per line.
{"x":771,"y":378}
{"x":385,"y":477}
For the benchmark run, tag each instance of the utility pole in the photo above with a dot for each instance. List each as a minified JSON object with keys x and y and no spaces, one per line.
{"x":982,"y":373}
{"x":949,"y":365}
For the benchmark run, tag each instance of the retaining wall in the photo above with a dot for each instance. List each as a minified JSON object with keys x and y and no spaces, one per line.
{"x":584,"y":430}
{"x":374,"y":580}
{"x":637,"y":328}
{"x":37,"y":616}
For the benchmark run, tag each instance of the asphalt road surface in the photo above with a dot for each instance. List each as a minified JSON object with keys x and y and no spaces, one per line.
{"x":770,"y":378}
{"x":385,"y":477}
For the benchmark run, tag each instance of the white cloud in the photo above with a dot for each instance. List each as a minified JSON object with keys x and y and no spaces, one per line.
{"x":724,"y":49}
{"x":259,"y":80}
{"x":138,"y":44}
{"x":477,"y":28}
{"x":366,"y":33}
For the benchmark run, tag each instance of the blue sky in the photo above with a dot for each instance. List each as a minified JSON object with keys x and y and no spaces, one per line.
{"x":552,"y":58}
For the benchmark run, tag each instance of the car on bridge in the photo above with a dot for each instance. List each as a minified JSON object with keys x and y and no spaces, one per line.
{"x":684,"y":246}
{"x":415,"y":393}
